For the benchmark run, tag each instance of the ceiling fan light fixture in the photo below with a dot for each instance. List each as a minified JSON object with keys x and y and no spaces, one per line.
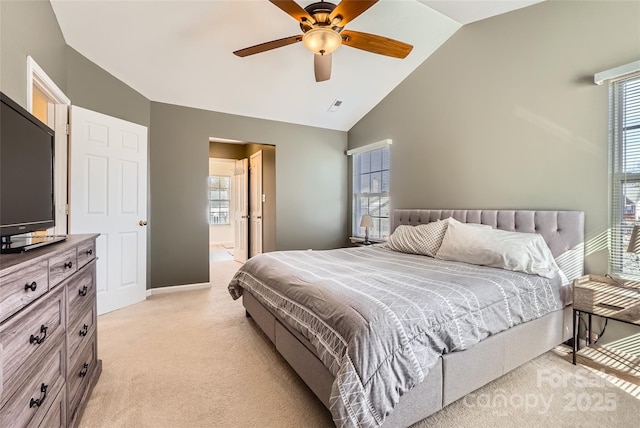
{"x":322,"y":41}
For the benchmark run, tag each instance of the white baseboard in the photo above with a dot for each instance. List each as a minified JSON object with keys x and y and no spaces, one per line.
{"x":177,"y":288}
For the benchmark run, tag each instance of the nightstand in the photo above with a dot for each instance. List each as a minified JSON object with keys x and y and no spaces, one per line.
{"x":359,"y":242}
{"x":605,"y":297}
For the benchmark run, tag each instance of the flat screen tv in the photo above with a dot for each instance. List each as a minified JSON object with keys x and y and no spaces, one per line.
{"x":26,"y":178}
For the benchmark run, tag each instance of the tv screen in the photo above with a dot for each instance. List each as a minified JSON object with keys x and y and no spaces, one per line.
{"x":26,"y":171}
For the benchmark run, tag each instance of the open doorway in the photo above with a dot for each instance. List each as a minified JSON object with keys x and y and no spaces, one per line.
{"x":233,"y":234}
{"x":222,"y":185}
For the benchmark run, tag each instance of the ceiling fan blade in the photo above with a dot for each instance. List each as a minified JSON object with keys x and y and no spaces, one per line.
{"x":322,"y":67}
{"x":376,"y":44}
{"x":349,"y":10}
{"x":262,"y":47}
{"x":293,"y":9}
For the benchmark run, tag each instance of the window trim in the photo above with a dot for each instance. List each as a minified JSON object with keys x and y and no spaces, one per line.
{"x":356,"y":230}
{"x":617,"y":175}
{"x":370,"y":147}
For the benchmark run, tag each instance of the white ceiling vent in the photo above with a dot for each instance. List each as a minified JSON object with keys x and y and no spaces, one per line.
{"x":335,"y":106}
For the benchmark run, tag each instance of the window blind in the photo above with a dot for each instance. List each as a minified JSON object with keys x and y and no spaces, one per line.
{"x":371,"y":173}
{"x":624,"y":125}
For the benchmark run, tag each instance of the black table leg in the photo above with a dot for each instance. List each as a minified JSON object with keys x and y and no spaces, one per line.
{"x":576,"y":314}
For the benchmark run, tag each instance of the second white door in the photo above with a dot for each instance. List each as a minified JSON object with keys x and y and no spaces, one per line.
{"x":241,"y":201}
{"x":255,"y":203}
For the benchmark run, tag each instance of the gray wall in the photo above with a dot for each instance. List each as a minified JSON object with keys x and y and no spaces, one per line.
{"x":506,"y":115}
{"x":29,"y":28}
{"x":91,"y":87}
{"x":311,"y":183}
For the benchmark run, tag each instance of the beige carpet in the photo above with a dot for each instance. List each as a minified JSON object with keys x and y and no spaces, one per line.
{"x":192,"y":359}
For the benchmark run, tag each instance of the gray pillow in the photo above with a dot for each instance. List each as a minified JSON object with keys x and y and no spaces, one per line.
{"x":424,"y":239}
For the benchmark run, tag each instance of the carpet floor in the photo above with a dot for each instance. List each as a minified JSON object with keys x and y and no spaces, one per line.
{"x":192,"y":359}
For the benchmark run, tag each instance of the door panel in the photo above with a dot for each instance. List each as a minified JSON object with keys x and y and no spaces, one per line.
{"x":241,"y":175}
{"x":255,"y":204}
{"x":108,"y":195}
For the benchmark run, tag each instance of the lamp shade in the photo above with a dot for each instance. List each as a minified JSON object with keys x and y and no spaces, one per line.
{"x":366,"y":221}
{"x":322,"y":41}
{"x":634,"y":242}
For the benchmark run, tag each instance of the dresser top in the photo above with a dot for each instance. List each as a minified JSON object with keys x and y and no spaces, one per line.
{"x":11,"y":262}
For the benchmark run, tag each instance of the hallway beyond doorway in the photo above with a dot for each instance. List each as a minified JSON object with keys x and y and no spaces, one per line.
{"x":220,"y":253}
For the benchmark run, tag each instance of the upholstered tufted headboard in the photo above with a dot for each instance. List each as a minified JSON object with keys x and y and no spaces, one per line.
{"x":563,"y":231}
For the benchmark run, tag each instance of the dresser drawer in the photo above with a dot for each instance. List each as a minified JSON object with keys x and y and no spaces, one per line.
{"x":81,"y":291}
{"x":79,"y":375}
{"x":62,"y":266}
{"x":79,"y":333}
{"x":26,"y":338}
{"x":29,"y":405}
{"x":56,"y":416}
{"x":86,"y":252}
{"x":20,"y":288}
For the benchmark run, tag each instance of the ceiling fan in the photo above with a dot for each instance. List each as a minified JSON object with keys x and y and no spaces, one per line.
{"x":323,"y":31}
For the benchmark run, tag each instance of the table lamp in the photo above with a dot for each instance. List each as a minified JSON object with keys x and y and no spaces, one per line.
{"x":366,"y":222}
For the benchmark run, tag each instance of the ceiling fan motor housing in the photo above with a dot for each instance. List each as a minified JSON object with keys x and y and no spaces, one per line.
{"x":320,"y":12}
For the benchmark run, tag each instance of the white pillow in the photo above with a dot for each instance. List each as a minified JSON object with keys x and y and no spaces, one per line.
{"x":424,"y":239}
{"x":516,"y":251}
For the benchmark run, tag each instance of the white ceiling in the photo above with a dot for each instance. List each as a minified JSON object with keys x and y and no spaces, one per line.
{"x":180,"y":52}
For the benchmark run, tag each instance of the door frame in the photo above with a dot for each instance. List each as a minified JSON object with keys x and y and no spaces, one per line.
{"x":37,"y":77}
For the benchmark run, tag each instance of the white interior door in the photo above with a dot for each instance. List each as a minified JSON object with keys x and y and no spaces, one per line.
{"x":108,"y":195}
{"x":255,"y":203}
{"x":240,"y":226}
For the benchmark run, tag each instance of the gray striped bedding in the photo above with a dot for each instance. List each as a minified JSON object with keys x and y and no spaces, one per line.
{"x":379,"y":320}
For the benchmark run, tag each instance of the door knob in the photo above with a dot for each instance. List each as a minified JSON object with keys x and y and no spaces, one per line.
{"x":142,"y":223}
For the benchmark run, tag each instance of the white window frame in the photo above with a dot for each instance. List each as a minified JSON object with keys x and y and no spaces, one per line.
{"x":228,"y":222}
{"x":376,"y":234}
{"x":621,"y":263}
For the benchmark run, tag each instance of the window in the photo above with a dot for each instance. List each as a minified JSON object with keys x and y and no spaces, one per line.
{"x":371,"y":168}
{"x":624,"y":120}
{"x":219,"y":191}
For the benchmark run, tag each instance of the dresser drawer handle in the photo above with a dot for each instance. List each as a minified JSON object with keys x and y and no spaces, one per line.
{"x":85,"y":369}
{"x":38,"y":340}
{"x":84,"y":330}
{"x":37,"y":402}
{"x":89,"y":252}
{"x":31,"y":286}
{"x":68,"y":265}
{"x":83,"y":292}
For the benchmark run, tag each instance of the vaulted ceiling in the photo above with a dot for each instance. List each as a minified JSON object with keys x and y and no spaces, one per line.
{"x":181,"y":52}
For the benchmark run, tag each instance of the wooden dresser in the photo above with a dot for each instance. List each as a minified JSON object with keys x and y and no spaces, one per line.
{"x":48,"y":341}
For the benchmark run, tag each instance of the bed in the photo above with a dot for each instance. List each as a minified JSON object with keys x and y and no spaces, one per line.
{"x":380,"y":348}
